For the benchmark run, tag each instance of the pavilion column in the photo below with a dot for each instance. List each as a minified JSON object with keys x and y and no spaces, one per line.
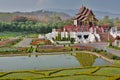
{"x":93,"y":28}
{"x":82,"y":37}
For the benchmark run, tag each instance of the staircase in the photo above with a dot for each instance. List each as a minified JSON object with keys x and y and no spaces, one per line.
{"x":97,"y":37}
{"x":104,"y":37}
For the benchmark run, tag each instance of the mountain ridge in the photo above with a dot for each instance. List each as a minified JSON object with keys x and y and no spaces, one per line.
{"x":39,"y":15}
{"x":99,"y":14}
{"x":48,"y":14}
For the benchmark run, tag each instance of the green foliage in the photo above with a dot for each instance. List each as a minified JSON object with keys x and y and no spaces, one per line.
{"x":110,"y":43}
{"x":116,"y":22}
{"x":109,"y":21}
{"x":85,"y":59}
{"x":7,"y":49}
{"x":64,"y":39}
{"x":68,"y":47}
{"x":68,"y":36}
{"x":106,"y":54}
{"x":88,"y":73}
{"x":30,"y":26}
{"x":117,"y":62}
{"x":24,"y":19}
{"x":72,"y":40}
{"x":7,"y":34}
{"x":58,"y":38}
{"x":109,"y":71}
{"x":114,"y":47}
{"x":52,"y":50}
{"x":114,"y":78}
{"x":31,"y":49}
{"x":114,"y":57}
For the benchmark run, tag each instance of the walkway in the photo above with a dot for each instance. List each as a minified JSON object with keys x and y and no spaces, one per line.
{"x":103,"y":47}
{"x":113,"y":51}
{"x":24,"y":43}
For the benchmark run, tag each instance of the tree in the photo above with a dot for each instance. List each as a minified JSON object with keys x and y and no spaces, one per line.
{"x":58,"y":38}
{"x":23,"y":19}
{"x":116,"y":22}
{"x":68,"y":36}
{"x":107,"y":21}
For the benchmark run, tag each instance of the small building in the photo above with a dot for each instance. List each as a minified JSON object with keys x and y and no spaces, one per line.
{"x":85,"y":19}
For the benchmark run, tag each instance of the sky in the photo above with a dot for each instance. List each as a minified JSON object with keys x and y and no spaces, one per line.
{"x":33,"y":5}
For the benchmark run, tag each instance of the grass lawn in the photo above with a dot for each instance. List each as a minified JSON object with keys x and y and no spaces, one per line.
{"x":117,"y":62}
{"x":109,"y":71}
{"x":21,"y":76}
{"x":5,"y":35}
{"x":81,"y":77}
{"x":114,"y":47}
{"x":72,"y":72}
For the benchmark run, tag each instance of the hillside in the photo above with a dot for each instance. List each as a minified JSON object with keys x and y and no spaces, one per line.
{"x":99,"y":14}
{"x":50,"y":14}
{"x":40,"y":15}
{"x":6,"y":16}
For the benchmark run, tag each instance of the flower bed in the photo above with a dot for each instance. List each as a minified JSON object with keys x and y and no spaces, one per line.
{"x":80,"y":47}
{"x":8,"y":42}
{"x":60,"y":48}
{"x":40,"y":42}
{"x":51,"y":49}
{"x":8,"y":50}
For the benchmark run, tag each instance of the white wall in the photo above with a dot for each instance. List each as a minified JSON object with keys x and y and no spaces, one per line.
{"x":75,"y":22}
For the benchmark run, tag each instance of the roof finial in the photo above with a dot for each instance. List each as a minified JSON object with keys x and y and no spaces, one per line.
{"x":82,"y":3}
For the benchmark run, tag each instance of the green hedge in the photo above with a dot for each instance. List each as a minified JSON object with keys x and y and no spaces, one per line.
{"x":49,"y":74}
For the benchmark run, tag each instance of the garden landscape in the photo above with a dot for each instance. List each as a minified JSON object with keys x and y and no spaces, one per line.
{"x":59,"y":40}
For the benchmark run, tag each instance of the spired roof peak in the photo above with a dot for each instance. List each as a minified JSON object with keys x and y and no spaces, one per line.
{"x":81,"y":10}
{"x":84,"y":14}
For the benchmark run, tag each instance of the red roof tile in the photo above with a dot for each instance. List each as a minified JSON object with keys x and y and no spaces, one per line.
{"x":117,"y":38}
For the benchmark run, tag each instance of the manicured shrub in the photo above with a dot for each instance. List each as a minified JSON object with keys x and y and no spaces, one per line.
{"x":110,"y":43}
{"x":72,"y":40}
{"x":58,"y":38}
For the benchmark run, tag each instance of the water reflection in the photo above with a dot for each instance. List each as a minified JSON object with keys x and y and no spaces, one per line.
{"x":34,"y":55}
{"x":46,"y":62}
{"x":85,"y":59}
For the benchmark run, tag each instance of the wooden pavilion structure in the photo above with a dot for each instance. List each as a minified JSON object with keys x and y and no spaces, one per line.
{"x":85,"y":19}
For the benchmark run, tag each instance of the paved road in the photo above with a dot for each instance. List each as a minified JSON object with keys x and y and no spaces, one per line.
{"x":98,"y":45}
{"x":113,"y":51}
{"x":103,"y":47}
{"x":24,"y":43}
